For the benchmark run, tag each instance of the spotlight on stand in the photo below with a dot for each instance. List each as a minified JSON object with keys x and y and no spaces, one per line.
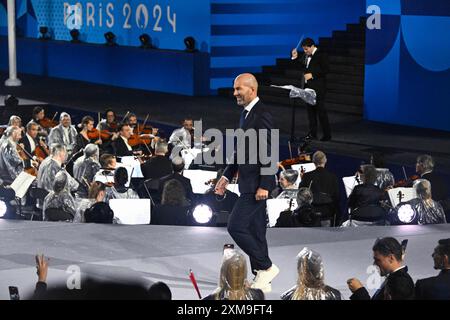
{"x":43,"y":30}
{"x":189,"y":42}
{"x":75,"y":34}
{"x":146,"y":41}
{"x":110,"y":39}
{"x":202,"y":214}
{"x":3,"y":208}
{"x":405,"y":214}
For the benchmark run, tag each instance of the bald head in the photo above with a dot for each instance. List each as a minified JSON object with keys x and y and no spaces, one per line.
{"x":245,"y":89}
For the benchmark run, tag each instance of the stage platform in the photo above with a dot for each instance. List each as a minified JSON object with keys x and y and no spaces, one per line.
{"x":166,"y":253}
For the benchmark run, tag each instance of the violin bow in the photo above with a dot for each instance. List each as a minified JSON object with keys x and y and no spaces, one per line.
{"x":290,"y":149}
{"x":98,"y":115}
{"x":54,"y":116}
{"x":404,"y":173}
{"x":125,"y":117}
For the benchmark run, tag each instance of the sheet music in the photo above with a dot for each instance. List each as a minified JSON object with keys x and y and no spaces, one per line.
{"x":199,"y":178}
{"x":22,"y":184}
{"x":307,"y":167}
{"x":349,"y":183}
{"x":405,"y":193}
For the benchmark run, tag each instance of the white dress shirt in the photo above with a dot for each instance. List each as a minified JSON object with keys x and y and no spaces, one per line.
{"x":32,"y":143}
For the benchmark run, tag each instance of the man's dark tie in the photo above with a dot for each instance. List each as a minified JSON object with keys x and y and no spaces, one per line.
{"x":242,"y":120}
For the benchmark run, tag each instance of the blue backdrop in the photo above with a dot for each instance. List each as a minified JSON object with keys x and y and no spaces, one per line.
{"x":407,"y":76}
{"x":168,"y":22}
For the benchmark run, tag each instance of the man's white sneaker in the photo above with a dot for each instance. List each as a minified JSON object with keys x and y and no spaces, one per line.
{"x":264,"y":278}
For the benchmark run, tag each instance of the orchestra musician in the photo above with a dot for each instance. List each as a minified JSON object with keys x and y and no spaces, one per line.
{"x":183,"y":136}
{"x":29,"y":141}
{"x":11,"y":164}
{"x":64,"y":133}
{"x":109,"y":124}
{"x":49,"y":168}
{"x":82,"y":138}
{"x":121,"y":146}
{"x":85,"y":168}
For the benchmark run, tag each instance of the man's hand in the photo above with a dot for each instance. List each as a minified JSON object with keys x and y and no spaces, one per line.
{"x":221,"y":186}
{"x":261,"y":194}
{"x":308,"y":76}
{"x":294,"y":54}
{"x":42,"y":267}
{"x":115,"y":135}
{"x":99,"y":141}
{"x":354,"y":284}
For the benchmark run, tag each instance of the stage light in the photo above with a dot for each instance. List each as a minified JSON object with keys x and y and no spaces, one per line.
{"x":43,"y":30}
{"x":75,"y":34}
{"x":110,"y":39}
{"x":189,"y":42}
{"x":3,"y":208}
{"x":11,"y":101}
{"x":406,"y":213}
{"x":202,"y":214}
{"x":146,"y":41}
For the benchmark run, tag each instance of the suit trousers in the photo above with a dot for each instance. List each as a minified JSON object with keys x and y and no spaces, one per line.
{"x":247,"y":226}
{"x":318,"y":111}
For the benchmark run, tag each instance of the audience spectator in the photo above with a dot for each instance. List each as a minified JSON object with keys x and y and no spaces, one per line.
{"x":310,"y":281}
{"x":60,"y":197}
{"x":159,"y":291}
{"x":388,"y":256}
{"x":174,"y":207}
{"x":233,"y":284}
{"x":325,"y":188}
{"x":438,"y":287}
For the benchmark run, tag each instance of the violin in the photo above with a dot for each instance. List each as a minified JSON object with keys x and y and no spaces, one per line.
{"x":406,"y":183}
{"x":96,"y":134}
{"x":24,"y":155}
{"x":47,"y":123}
{"x":41,"y":151}
{"x":300,"y":159}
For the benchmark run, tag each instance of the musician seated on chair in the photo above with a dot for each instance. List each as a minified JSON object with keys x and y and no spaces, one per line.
{"x":29,"y":141}
{"x":11,"y":164}
{"x":174,"y":207}
{"x":325,"y":188}
{"x":183,"y":136}
{"x":425,"y":209}
{"x":60,"y":197}
{"x":425,"y":168}
{"x":287,"y":188}
{"x":119,"y":190}
{"x":304,"y":216}
{"x":365,"y":200}
{"x":178,"y":168}
{"x":64,"y":133}
{"x":159,"y":165}
{"x":85,"y":169}
{"x":51,"y":166}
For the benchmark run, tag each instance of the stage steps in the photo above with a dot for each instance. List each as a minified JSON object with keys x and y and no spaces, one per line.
{"x":345,"y":81}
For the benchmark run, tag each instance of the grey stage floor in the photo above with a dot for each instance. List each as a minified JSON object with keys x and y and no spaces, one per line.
{"x":166,"y":253}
